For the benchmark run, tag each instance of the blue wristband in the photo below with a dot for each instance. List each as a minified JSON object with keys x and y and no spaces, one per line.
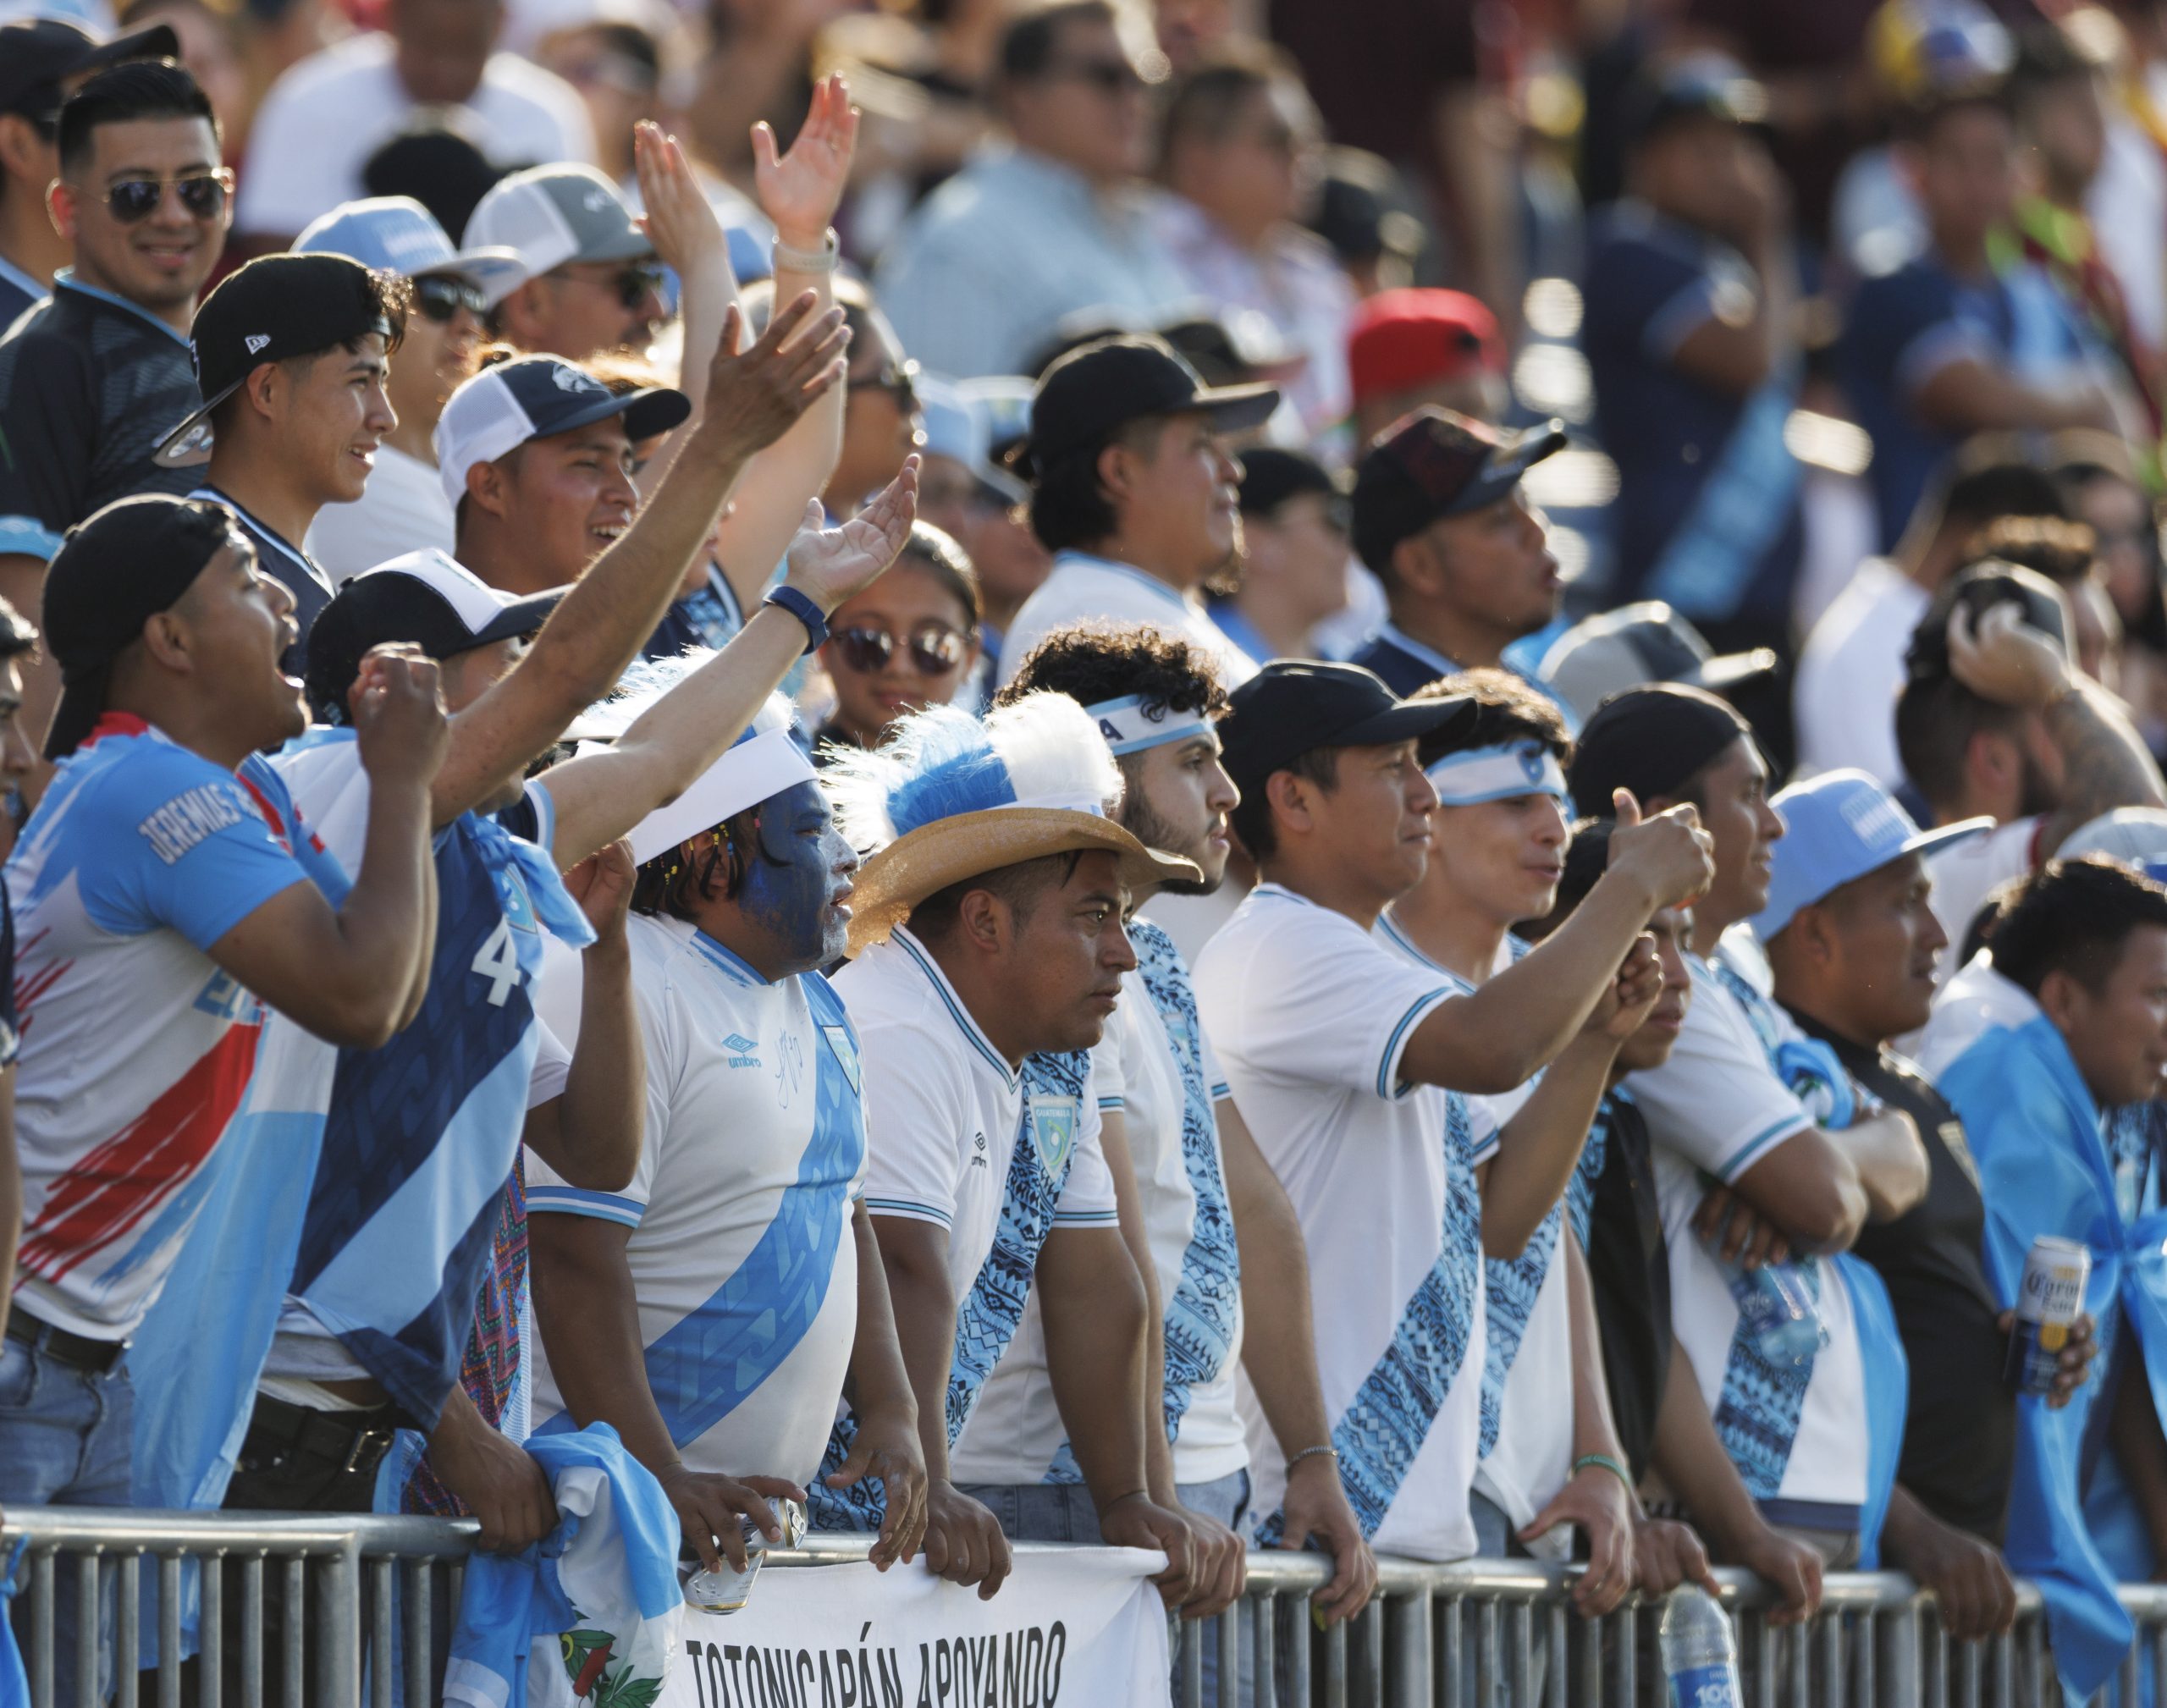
{"x":802,"y":608}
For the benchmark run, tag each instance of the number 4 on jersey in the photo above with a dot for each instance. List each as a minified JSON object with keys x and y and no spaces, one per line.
{"x":498,"y":961}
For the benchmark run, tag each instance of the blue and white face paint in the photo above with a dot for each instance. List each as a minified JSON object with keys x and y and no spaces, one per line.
{"x":1478,"y":775}
{"x":1131,"y":724}
{"x":796,"y":875}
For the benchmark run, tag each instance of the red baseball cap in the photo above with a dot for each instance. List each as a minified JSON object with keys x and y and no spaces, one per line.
{"x":1401,"y":338}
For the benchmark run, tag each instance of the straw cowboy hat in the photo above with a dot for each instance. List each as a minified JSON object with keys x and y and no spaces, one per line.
{"x":947,"y":798}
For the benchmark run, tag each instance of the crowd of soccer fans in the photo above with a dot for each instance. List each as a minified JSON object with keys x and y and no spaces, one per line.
{"x":1346,"y":777}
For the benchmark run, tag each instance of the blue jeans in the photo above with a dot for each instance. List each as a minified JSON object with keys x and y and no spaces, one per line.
{"x":66,"y":1439}
{"x":1063,"y":1513}
{"x":1495,"y":1538}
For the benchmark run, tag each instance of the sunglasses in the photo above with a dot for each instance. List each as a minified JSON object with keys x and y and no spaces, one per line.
{"x":634,"y":285}
{"x":439,"y":299}
{"x":934,"y":648}
{"x":203,"y":194}
{"x":1110,"y":77}
{"x":899,"y":379}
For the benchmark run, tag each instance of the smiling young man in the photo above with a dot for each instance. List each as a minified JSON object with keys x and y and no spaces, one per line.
{"x":291,"y":355}
{"x":1329,"y":1037}
{"x":1442,"y":519}
{"x":2033,"y":1044}
{"x":990,"y":955}
{"x":1551,"y":1457}
{"x":1135,"y":494}
{"x":739,"y":1255}
{"x":1722,"y":1105}
{"x":1204,"y":1193}
{"x":165,"y":901}
{"x":89,"y":381}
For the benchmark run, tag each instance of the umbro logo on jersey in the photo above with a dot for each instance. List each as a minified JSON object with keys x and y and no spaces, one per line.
{"x":741,"y":1048}
{"x":977,"y":1150}
{"x":256,"y":341}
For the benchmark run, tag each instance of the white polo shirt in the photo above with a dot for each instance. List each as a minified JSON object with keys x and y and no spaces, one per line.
{"x":1136,"y":1073}
{"x":944,"y":1110}
{"x":1714,"y":1109}
{"x":741,"y":1254}
{"x":1309,"y":1015}
{"x":1087,"y":589}
{"x":1528,"y":1324}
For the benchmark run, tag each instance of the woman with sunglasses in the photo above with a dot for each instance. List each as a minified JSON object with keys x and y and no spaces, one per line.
{"x":908,"y":641}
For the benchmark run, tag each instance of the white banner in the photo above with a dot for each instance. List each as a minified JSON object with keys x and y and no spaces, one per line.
{"x":1071,"y":1625}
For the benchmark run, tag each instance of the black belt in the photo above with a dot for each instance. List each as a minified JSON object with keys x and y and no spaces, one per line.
{"x":80,"y":1350}
{"x":355,"y":1440}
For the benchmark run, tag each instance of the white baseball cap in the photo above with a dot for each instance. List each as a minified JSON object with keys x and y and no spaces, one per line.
{"x":553,"y":214}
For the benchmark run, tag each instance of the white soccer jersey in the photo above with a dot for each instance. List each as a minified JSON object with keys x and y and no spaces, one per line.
{"x":1310,"y":1015}
{"x":741,"y":1253}
{"x":136,"y":1047}
{"x":944,"y":1111}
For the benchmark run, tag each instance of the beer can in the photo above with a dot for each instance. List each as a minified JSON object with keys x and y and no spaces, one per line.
{"x":2048,"y":1301}
{"x":728,"y":1590}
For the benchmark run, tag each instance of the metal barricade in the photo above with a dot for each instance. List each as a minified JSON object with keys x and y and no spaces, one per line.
{"x":363,"y":1607}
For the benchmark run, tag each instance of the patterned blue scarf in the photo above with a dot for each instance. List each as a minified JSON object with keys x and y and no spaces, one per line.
{"x":985,"y":1322}
{"x":1389,"y":1418}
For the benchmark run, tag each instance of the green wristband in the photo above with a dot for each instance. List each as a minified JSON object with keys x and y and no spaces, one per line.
{"x":1604,"y":1462}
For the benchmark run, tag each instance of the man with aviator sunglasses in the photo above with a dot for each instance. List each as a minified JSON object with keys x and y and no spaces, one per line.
{"x":404,"y":508}
{"x":88,"y":381}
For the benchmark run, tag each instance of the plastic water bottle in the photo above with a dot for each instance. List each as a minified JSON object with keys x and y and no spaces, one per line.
{"x":1699,"y":1657}
{"x":1776,"y":1303}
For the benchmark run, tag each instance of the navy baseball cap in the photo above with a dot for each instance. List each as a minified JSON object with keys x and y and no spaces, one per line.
{"x":1433,"y":464}
{"x":534,"y":397}
{"x":38,"y":55}
{"x":1089,"y":393}
{"x":1837,"y":827}
{"x":1294,"y":706}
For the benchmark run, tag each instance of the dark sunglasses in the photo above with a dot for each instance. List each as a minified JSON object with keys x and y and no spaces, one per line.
{"x":1107,"y":76}
{"x":934,"y":648}
{"x":203,"y":194}
{"x":636,"y":284}
{"x":439,"y":298}
{"x":899,"y":379}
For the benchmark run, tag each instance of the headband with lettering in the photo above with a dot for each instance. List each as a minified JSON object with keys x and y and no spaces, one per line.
{"x":1130,"y":726}
{"x":1477,"y":774}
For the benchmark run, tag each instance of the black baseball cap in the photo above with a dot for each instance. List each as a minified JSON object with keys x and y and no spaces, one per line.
{"x":276,"y":307}
{"x":115,"y":571}
{"x":38,"y":55}
{"x":1083,"y":397}
{"x":1433,"y":463}
{"x":1645,"y":641}
{"x":422,"y":599}
{"x":1294,"y":706}
{"x":1650,"y":739}
{"x":1979,"y":589}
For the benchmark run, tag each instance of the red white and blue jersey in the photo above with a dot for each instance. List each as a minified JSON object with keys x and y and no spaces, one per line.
{"x":135,"y":1049}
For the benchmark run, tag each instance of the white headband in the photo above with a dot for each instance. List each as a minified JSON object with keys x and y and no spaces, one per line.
{"x":760,"y":766}
{"x":1130,"y":726}
{"x":1477,"y":774}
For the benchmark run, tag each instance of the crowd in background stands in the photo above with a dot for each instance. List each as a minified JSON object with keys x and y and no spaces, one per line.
{"x":1041,"y":772}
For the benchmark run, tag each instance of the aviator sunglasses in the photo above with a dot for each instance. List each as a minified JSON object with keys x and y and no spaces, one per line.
{"x":934,"y":648}
{"x":203,"y":194}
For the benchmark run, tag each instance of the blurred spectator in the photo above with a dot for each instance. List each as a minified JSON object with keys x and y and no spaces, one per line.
{"x":1690,"y":292}
{"x":908,"y":641}
{"x":987,"y":267}
{"x":2062,"y":120}
{"x":1949,"y":344}
{"x":2065,"y":552}
{"x":963,"y":493}
{"x":404,"y":508}
{"x":41,"y":62}
{"x":438,"y":166}
{"x":592,"y":281}
{"x":1191,"y":31}
{"x":1132,"y":490}
{"x":208,"y":33}
{"x":2095,"y":473}
{"x":1442,"y":519}
{"x":1239,"y":154}
{"x":326,"y":116}
{"x":1852,"y":666}
{"x":1357,"y":213}
{"x":1622,"y":648}
{"x":1412,"y":347}
{"x":1295,"y":554}
{"x":2128,"y":204}
{"x":882,"y":423}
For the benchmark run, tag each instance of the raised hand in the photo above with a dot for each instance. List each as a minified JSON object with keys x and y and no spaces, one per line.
{"x":2005,"y":660}
{"x":828,"y":565}
{"x":1670,"y":854}
{"x":754,"y":396}
{"x":680,"y":220}
{"x":800,"y":191}
{"x":602,"y":884}
{"x":397,"y":707}
{"x":1630,"y":994}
